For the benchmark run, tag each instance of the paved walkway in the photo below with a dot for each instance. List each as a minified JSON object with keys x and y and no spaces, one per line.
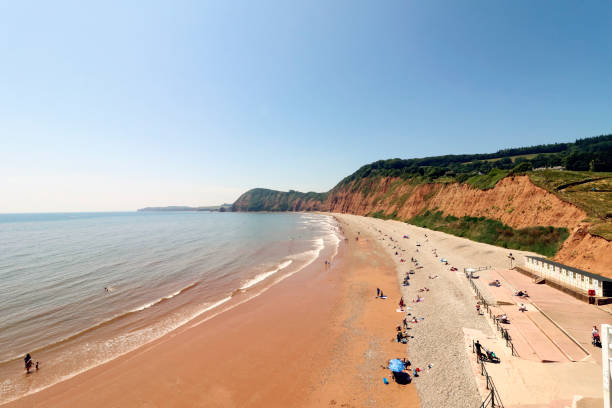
{"x":568,"y":371}
{"x":577,"y":318}
{"x":534,"y":336}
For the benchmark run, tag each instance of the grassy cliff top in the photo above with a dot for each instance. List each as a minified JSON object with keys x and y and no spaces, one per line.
{"x":591,"y":191}
{"x":590,"y":154}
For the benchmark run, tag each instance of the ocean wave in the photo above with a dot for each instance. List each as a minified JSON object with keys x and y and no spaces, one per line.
{"x":262,"y":276}
{"x":162,"y":299}
{"x":133,"y":340}
{"x":122,"y":344}
{"x":103,"y":323}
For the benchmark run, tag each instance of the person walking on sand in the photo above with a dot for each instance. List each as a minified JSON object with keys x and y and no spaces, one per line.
{"x":401,"y":303}
{"x":377,"y":292}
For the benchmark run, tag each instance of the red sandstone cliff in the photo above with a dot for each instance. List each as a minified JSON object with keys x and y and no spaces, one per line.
{"x":515,"y":201}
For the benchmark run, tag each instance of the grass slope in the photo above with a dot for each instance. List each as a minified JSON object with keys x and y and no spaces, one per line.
{"x":590,"y":191}
{"x":543,"y":240}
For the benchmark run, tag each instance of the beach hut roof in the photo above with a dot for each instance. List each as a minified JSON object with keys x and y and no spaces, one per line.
{"x":571,"y":268}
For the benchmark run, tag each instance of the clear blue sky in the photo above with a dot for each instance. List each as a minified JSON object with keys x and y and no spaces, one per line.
{"x":117,"y":105}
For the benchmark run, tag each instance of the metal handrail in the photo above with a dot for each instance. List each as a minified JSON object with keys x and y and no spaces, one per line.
{"x":492,"y":399}
{"x":504,"y":332}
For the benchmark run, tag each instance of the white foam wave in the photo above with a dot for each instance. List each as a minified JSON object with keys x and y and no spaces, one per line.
{"x":161,"y":299}
{"x":131,"y":341}
{"x":127,"y":342}
{"x":265,"y":275}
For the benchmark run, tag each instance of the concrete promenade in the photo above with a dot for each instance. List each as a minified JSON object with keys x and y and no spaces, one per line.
{"x":556,"y":362}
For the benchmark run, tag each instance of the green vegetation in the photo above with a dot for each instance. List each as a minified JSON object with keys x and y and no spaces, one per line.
{"x":383,"y":216}
{"x":586,"y":182}
{"x":589,"y":191}
{"x":261,"y":199}
{"x":486,"y":181}
{"x":594,"y":154}
{"x":543,"y":240}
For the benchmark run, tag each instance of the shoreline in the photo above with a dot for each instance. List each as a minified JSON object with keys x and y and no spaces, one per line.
{"x":280,"y":348}
{"x":320,"y":337}
{"x":156,"y":315}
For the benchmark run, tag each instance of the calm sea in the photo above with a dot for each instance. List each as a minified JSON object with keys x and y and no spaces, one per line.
{"x":80,"y":289}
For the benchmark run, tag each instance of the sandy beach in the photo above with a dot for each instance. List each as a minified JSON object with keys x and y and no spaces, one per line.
{"x":556,"y":364}
{"x":318,"y":338}
{"x":322,"y":337}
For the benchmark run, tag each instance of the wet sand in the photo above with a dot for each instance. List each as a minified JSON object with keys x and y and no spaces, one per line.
{"x":318,"y":338}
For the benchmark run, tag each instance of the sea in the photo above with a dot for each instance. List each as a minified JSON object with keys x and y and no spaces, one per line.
{"x":80,"y":289}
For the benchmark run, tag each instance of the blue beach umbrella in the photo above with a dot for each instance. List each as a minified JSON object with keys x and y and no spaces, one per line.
{"x":396,"y":365}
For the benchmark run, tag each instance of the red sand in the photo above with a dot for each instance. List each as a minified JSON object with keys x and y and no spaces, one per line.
{"x":317,"y":338}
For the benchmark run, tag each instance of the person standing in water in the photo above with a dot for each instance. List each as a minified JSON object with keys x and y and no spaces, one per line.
{"x":27,"y":362}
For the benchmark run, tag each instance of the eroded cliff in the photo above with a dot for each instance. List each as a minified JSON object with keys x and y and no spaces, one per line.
{"x":515,"y":201}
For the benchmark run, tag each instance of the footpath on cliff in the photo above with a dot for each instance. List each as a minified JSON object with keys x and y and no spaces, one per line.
{"x":554,"y":329}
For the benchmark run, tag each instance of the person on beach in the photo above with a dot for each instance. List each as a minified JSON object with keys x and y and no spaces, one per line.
{"x":106,"y":290}
{"x":27,"y":360}
{"x":377,"y":292}
{"x":478,"y":346}
{"x":478,"y":308}
{"x":401,"y":303}
{"x":522,"y":308}
{"x":502,"y":318}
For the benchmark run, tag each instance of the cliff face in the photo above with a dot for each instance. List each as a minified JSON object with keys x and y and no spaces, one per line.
{"x":261,"y":199}
{"x":515,"y":201}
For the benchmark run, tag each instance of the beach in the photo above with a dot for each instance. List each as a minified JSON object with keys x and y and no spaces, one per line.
{"x":554,"y":365}
{"x":319,"y":337}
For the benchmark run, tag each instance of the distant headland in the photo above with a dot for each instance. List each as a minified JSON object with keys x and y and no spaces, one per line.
{"x":220,"y":208}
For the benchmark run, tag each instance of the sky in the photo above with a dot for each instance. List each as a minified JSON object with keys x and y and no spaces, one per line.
{"x":119,"y":105}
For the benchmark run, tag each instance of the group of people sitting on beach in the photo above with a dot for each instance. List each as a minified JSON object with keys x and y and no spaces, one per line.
{"x":401,"y":335}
